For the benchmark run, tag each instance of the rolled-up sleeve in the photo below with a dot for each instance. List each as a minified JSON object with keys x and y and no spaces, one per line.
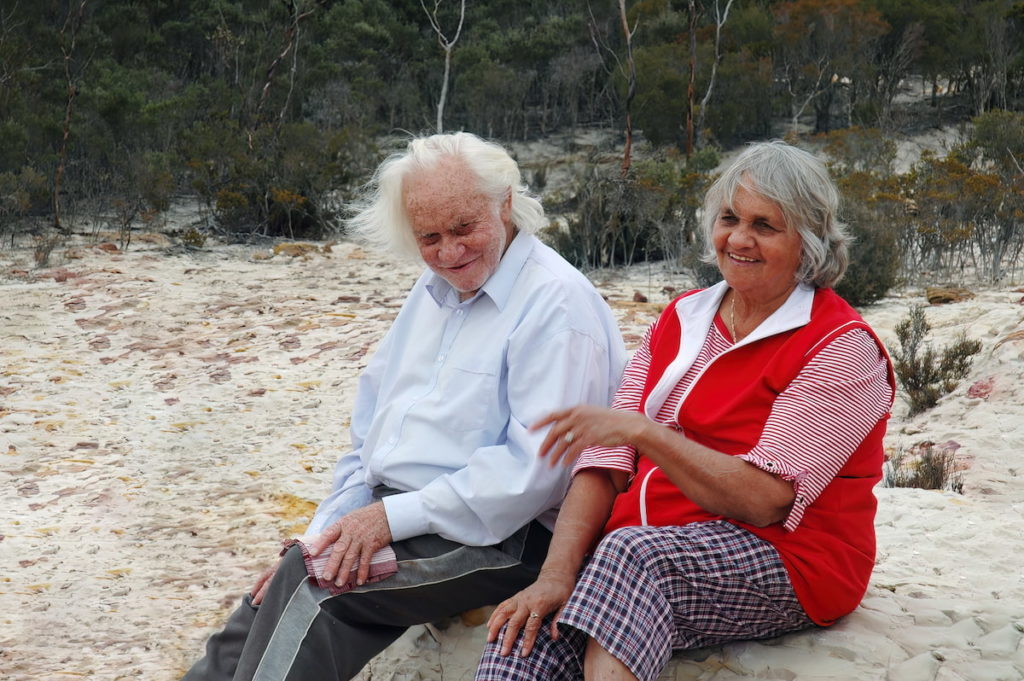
{"x":822,"y":416}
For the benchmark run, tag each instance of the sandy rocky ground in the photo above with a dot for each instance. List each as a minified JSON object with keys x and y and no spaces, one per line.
{"x":168,"y":416}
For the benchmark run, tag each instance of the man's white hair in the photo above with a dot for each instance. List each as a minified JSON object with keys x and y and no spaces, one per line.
{"x":380,"y":219}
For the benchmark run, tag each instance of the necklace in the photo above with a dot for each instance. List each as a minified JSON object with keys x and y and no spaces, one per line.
{"x":732,"y":319}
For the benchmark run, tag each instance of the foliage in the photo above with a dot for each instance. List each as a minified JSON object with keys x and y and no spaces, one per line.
{"x":824,"y":49}
{"x":926,"y":375}
{"x":649,"y":214}
{"x":193,"y":238}
{"x":272,"y":113}
{"x":861,"y":160}
{"x":928,"y":466}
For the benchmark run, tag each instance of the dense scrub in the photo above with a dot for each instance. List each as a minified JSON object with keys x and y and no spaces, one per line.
{"x":271,"y":114}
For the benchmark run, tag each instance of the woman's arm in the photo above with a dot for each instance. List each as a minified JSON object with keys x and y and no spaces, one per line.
{"x":580,"y":521}
{"x":717,"y":482}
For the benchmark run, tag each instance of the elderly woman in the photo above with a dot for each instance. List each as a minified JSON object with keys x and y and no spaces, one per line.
{"x":731,"y":482}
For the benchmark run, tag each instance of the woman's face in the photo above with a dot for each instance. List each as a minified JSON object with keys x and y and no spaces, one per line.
{"x":758,"y":253}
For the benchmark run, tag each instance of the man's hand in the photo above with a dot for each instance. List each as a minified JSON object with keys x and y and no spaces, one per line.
{"x":259,"y":589}
{"x":356,"y":537}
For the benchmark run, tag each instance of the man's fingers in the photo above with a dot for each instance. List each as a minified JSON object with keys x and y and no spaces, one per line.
{"x":258,"y":597}
{"x":345,"y":570}
{"x":335,"y":559}
{"x":364,"y":565}
{"x":260,"y":587}
{"x":324,"y":539}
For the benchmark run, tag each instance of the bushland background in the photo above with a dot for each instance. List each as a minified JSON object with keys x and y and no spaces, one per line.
{"x":263,"y":118}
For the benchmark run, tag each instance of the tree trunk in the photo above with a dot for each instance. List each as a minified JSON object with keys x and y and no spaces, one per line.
{"x":627,"y":152}
{"x":72,"y":23}
{"x":446,"y":45}
{"x":690,"y":86}
{"x":720,"y":19}
{"x":444,"y":89}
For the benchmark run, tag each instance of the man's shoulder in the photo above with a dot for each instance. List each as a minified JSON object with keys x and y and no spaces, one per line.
{"x":546,"y":266}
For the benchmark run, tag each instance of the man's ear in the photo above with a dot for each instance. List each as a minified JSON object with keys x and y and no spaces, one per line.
{"x":506,"y":209}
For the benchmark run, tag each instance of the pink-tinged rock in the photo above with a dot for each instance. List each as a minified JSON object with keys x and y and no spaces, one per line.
{"x":28,"y":489}
{"x":165,"y":382}
{"x":983,"y":388}
{"x":220,"y":376}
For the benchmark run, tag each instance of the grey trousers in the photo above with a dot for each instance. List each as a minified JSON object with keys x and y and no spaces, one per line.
{"x":300,"y":632}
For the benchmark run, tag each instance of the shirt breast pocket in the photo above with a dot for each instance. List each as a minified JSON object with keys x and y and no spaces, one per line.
{"x":470,"y":393}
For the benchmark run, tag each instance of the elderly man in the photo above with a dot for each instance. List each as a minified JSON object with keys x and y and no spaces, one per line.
{"x":498,"y":332}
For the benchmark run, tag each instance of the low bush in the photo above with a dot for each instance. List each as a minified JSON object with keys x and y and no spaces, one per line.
{"x":924,"y":374}
{"x":926,"y":466}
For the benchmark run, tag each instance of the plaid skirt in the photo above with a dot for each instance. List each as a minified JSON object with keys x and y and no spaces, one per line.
{"x":647,"y":591}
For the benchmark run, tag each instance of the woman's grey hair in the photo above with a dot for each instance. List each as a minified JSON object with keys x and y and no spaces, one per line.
{"x":380,"y":220}
{"x":800,"y":185}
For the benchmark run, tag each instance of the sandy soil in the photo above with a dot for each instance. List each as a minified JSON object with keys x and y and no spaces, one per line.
{"x":168,"y":416}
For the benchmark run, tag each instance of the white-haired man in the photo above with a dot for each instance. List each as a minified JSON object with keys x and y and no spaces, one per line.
{"x":496,"y":333}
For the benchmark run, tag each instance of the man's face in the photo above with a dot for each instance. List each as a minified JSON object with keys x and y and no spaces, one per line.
{"x":461,"y":233}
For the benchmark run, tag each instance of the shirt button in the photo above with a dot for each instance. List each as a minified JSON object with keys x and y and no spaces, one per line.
{"x":440,"y":358}
{"x":458,"y":312}
{"x":769,"y":465}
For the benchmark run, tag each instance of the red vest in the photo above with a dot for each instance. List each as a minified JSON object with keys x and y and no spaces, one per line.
{"x":830,"y":555}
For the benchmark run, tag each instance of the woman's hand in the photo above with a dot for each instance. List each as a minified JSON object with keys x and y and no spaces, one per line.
{"x":527,"y":610}
{"x":358,"y":536}
{"x":573,"y":430}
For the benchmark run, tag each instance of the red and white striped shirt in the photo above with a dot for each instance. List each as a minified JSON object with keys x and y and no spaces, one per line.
{"x":814,"y":426}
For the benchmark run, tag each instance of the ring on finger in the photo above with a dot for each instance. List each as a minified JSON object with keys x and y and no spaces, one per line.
{"x":534,"y":615}
{"x":569,"y":437}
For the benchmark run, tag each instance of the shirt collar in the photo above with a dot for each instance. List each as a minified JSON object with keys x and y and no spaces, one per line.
{"x":499,"y":285}
{"x":793,"y":313}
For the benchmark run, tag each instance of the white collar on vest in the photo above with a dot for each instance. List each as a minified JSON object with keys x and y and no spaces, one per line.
{"x":696,"y":314}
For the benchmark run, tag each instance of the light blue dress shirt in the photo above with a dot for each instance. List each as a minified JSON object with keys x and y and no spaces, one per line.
{"x":444,"y":406}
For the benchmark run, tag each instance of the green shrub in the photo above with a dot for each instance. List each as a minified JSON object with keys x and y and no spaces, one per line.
{"x":924,"y":374}
{"x":193,"y":238}
{"x":874,"y":260}
{"x":617,"y":221}
{"x":650,"y":214}
{"x":926,"y":466}
{"x":861,"y":160}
